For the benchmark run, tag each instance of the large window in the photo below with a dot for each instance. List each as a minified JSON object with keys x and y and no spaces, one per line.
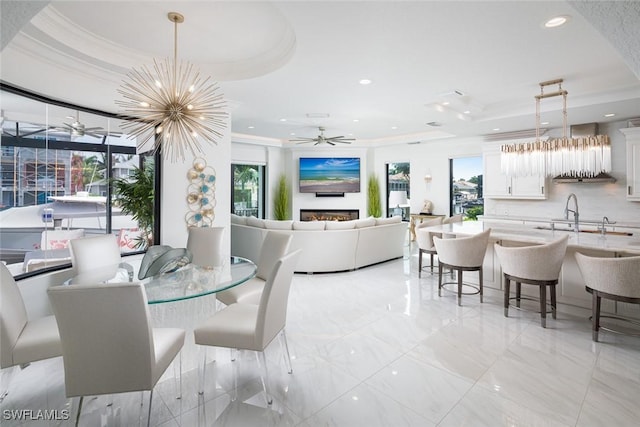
{"x":57,"y":165}
{"x":247,"y":194}
{"x":466,"y":187}
{"x":398,"y":189}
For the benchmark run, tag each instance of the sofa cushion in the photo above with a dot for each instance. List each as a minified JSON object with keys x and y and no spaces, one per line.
{"x":391,"y":220}
{"x":277,"y":225}
{"x":340,"y":225}
{"x":237,"y":219}
{"x":255,"y":222}
{"x":365,"y":222}
{"x":308,"y":225}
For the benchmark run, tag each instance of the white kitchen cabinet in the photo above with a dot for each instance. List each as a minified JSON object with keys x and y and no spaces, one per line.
{"x":633,"y":162}
{"x":496,"y":185}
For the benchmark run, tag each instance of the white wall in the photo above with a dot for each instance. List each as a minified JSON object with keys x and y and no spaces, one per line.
{"x":174,"y":207}
{"x":595,"y":200}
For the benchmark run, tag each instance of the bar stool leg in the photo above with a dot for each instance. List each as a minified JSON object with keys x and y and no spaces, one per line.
{"x":553,"y":301}
{"x":595,"y":316}
{"x":459,"y":287}
{"x":419,"y":262}
{"x":481,"y":291}
{"x":518,"y":293}
{"x":507,"y":284}
{"x":440,"y":279}
{"x":543,"y":306}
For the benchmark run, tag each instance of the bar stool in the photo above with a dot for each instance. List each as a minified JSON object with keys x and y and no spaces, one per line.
{"x":425,"y":242}
{"x":462,"y":254}
{"x":533,"y":265}
{"x":616,"y":279}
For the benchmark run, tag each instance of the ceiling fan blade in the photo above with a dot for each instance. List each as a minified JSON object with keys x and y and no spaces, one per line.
{"x":92,"y":129}
{"x":335,"y":137}
{"x":329,"y":142}
{"x":36,"y":131}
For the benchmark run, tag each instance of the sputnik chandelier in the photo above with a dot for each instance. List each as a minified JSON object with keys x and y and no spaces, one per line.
{"x":174,"y":104}
{"x":583,"y":157}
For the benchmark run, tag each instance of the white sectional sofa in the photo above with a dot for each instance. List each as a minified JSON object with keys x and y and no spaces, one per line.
{"x":327,"y":246}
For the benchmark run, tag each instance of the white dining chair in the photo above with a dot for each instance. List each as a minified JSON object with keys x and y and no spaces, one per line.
{"x":108,"y":343}
{"x":98,"y":257}
{"x":253,"y":327}
{"x":274,"y":246}
{"x":22,"y":341}
{"x":205,"y":245}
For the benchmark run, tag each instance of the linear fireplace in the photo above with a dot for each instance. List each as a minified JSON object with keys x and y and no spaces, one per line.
{"x":329,"y":214}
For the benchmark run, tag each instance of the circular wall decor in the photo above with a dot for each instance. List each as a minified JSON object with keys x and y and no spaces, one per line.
{"x":201,"y":194}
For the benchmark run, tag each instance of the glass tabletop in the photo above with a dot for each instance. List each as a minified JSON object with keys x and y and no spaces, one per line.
{"x":192,"y":281}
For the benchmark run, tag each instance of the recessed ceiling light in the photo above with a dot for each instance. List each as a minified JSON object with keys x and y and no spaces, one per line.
{"x":445,"y":103}
{"x":467,"y":112}
{"x":292,"y":133}
{"x":557,"y":21}
{"x":394,"y":127}
{"x":283,"y":120}
{"x":496,"y":129}
{"x":251,"y":127}
{"x":610,"y":114}
{"x":544,"y":123}
{"x":356,"y":120}
{"x":365,"y":82}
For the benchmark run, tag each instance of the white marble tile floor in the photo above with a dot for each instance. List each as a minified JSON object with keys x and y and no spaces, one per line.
{"x":378,"y":347}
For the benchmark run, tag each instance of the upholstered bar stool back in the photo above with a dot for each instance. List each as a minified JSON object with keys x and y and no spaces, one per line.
{"x":462,"y":254}
{"x":533,"y":265}
{"x":452,"y":219}
{"x":616,"y":279}
{"x":425,"y":241}
{"x":205,"y":244}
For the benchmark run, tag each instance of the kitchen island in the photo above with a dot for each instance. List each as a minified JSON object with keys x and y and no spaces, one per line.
{"x":571,"y":290}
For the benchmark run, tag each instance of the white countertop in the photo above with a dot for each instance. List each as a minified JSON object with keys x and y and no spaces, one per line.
{"x":589,"y":221}
{"x":529,"y":234}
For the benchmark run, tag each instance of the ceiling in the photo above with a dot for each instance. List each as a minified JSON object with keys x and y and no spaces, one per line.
{"x":289,"y":67}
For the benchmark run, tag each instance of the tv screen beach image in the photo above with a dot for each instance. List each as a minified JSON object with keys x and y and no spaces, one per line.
{"x":329,"y":175}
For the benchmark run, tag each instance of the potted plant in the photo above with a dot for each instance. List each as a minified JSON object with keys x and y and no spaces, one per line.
{"x":134,"y":195}
{"x":281,"y":199}
{"x":374,"y":207}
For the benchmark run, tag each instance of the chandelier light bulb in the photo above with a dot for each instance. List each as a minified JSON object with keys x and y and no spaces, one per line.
{"x":176,"y":123}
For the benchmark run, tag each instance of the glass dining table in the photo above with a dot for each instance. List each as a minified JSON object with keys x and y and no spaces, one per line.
{"x":183,"y":298}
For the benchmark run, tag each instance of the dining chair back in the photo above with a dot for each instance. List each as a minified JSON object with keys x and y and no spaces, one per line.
{"x":95,"y":252}
{"x":23,"y":341}
{"x":425,"y":241}
{"x":205,"y":245}
{"x":108,"y":343}
{"x":274,"y":246}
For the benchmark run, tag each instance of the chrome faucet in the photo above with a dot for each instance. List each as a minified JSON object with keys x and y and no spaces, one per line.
{"x":603,"y":230}
{"x":576,"y":215}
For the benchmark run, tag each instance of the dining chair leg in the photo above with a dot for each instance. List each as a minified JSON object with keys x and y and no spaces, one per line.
{"x":79,"y":410}
{"x":431,"y":256}
{"x":202,"y":368}
{"x":285,"y":351}
{"x":149,"y":412}
{"x":262,"y":360}
{"x":177,"y":376}
{"x":419,"y":262}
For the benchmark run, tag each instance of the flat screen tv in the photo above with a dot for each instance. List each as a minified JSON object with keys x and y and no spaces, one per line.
{"x":329,"y":175}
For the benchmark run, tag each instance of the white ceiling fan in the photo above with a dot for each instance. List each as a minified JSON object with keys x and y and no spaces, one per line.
{"x":321,"y":139}
{"x":78,"y":129}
